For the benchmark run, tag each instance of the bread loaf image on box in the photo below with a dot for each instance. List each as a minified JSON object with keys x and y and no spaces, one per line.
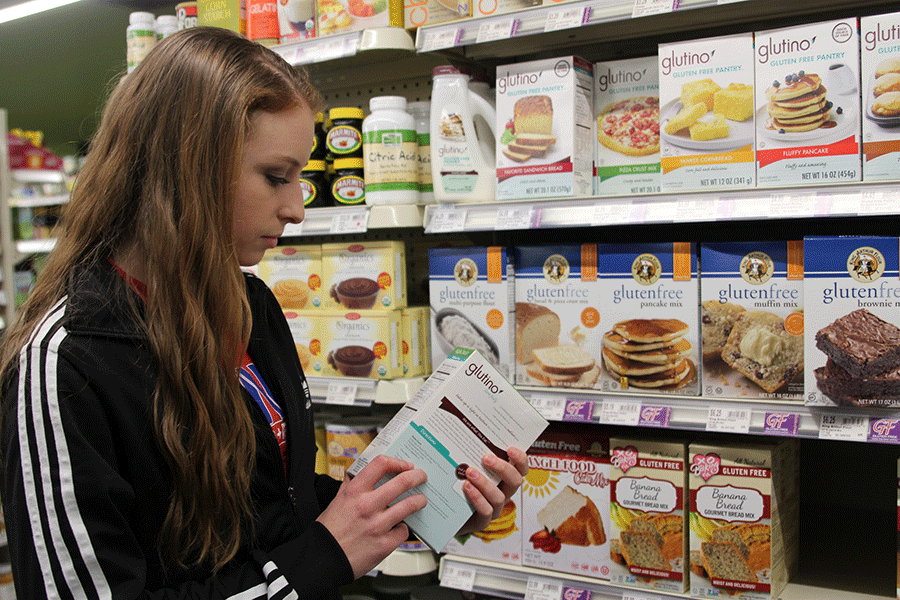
{"x":724,"y":561}
{"x":640,"y":550}
{"x":536,"y":327}
{"x":571,"y":518}
{"x":529,"y":134}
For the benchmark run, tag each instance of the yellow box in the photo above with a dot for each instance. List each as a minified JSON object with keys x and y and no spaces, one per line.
{"x":709,"y":130}
{"x":363,"y":343}
{"x":306,"y":329}
{"x":222,"y":13}
{"x":701,"y":90}
{"x":415,"y":325}
{"x":364,"y":275}
{"x":343,"y":16}
{"x":294,"y":273}
{"x":734,"y":102}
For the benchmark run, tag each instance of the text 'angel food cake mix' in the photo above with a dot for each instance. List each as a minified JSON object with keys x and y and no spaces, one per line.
{"x":807,"y":104}
{"x":852,"y":293}
{"x":880,"y":39}
{"x":648,"y":301}
{"x":706,"y":114}
{"x":751,"y":318}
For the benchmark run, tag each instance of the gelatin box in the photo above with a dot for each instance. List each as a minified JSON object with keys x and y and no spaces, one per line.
{"x":880,"y":89}
{"x":364,"y":275}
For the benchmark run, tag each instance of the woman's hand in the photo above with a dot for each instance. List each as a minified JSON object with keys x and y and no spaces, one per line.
{"x":488,"y":499}
{"x":359,"y":517}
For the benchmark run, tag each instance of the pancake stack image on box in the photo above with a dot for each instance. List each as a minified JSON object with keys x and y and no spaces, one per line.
{"x":798,"y":103}
{"x":649,"y":353}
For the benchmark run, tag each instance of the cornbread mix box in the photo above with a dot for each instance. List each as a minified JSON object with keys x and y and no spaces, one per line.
{"x":706,"y":114}
{"x":544,"y":131}
{"x":343,"y":16}
{"x":500,"y":541}
{"x":362,"y":343}
{"x":306,"y":329}
{"x":807,"y":104}
{"x":649,"y":320}
{"x":648,"y":514}
{"x":751,"y":320}
{"x":415,"y":322}
{"x":565,"y":502}
{"x":294,"y":274}
{"x":472,"y":298}
{"x":880,"y":91}
{"x":364,"y":275}
{"x":557,"y":316}
{"x":626,"y":109}
{"x":744,"y":510}
{"x":852,"y":295}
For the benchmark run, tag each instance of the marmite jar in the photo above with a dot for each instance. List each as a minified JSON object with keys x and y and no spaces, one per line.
{"x":344,"y":139}
{"x":348,"y":187}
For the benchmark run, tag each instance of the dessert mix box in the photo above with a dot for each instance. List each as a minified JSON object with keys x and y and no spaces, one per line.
{"x":880,"y":93}
{"x":486,"y":8}
{"x":294,"y":274}
{"x":807,"y":104}
{"x":500,"y":541}
{"x":344,"y":16}
{"x":706,"y":114}
{"x":751,"y":319}
{"x":428,"y":12}
{"x":415,"y":321}
{"x":544,"y":147}
{"x":364,"y":275}
{"x":362,"y":343}
{"x":650,"y":323}
{"x":472,"y":297}
{"x":852,"y":293}
{"x":557,"y":316}
{"x":306,"y":329}
{"x":648,"y":514}
{"x":626,"y":109}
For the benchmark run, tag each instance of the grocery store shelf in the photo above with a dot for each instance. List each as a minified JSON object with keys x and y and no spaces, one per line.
{"x":356,"y":391}
{"x":36,"y":201}
{"x":35,"y":246}
{"x":405,"y":563}
{"x":356,"y":219}
{"x":347,"y":45}
{"x":37,"y":176}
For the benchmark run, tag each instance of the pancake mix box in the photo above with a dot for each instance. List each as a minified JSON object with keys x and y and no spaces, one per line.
{"x":706,"y":116}
{"x":364,"y":275}
{"x":751,"y":319}
{"x":807,"y":104}
{"x":852,"y":295}
{"x":294,"y":274}
{"x":880,"y":92}
{"x":649,"y":321}
{"x":544,"y":147}
{"x":648,"y":514}
{"x":500,"y":541}
{"x":363,"y":343}
{"x":626,"y":109}
{"x":557,"y":316}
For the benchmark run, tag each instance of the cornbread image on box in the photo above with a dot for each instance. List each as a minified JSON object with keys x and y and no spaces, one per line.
{"x":415,"y":323}
{"x":500,"y":541}
{"x":626,"y":109}
{"x":544,"y":147}
{"x":751,"y":319}
{"x":557,"y":316}
{"x":344,"y":16}
{"x":649,"y":294}
{"x":807,"y":104}
{"x":706,"y":116}
{"x":880,"y":92}
{"x":294,"y":274}
{"x":851,"y":292}
{"x":364,"y":275}
{"x":306,"y":329}
{"x":362,"y":343}
{"x":648,"y":514}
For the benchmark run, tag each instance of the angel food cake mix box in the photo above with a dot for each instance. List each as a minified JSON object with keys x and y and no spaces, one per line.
{"x":880,"y":39}
{"x":807,"y":104}
{"x":751,"y":318}
{"x":706,"y":114}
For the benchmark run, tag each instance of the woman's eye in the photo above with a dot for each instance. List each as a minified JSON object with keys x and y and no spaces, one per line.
{"x":276,"y":180}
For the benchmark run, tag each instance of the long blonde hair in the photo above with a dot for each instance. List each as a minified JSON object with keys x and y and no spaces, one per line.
{"x":160,"y":177}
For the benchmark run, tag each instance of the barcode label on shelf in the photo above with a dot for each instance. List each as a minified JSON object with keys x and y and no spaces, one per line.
{"x":442,"y":38}
{"x":843,"y":427}
{"x":614,"y":412}
{"x":632,"y":595}
{"x":551,"y":408}
{"x":496,"y":30}
{"x":354,"y":221}
{"x":567,"y":18}
{"x":610,"y":213}
{"x":876,"y":203}
{"x":458,"y":577}
{"x":694,"y":210}
{"x":643,"y":8}
{"x":341,"y":393}
{"x":446,"y":218}
{"x":515,"y":217}
{"x":728,"y":420}
{"x":542,"y":589}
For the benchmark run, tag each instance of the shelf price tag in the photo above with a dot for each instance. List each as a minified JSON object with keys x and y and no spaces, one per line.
{"x":447,"y":217}
{"x":876,"y":203}
{"x":502,"y":29}
{"x":341,"y":393}
{"x":728,"y":420}
{"x":792,"y":205}
{"x":642,"y":8}
{"x":542,"y":589}
{"x":458,"y":577}
{"x":442,"y":38}
{"x":610,"y":213}
{"x":694,"y":210}
{"x":579,"y":410}
{"x":633,"y":595}
{"x":551,"y":408}
{"x":616,"y":412}
{"x":567,"y":18}
{"x":781,"y":424}
{"x":517,"y":217}
{"x":843,"y":427}
{"x":351,"y":221}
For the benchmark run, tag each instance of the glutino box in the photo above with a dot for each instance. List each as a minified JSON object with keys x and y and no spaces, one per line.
{"x":880,"y":39}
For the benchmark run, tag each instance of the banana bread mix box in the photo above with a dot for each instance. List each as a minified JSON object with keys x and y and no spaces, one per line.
{"x":649,"y":322}
{"x":364,"y":275}
{"x":544,"y":130}
{"x":648,"y":514}
{"x":852,"y":296}
{"x":362,"y":343}
{"x":751,"y":319}
{"x":557,"y":316}
{"x":880,"y":39}
{"x":294,"y":274}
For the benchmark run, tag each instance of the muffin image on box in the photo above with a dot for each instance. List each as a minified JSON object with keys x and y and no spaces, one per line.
{"x":762,"y":350}
{"x":716,"y":322}
{"x":529,"y":134}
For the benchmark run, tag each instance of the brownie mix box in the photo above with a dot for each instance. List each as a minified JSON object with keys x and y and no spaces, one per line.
{"x":649,"y":294}
{"x":751,"y":319}
{"x":294,"y":274}
{"x":706,"y":114}
{"x":852,"y":293}
{"x":364,"y":275}
{"x":807,"y":104}
{"x":880,"y":94}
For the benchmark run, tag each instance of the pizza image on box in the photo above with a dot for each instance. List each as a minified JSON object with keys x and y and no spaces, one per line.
{"x":630,"y":126}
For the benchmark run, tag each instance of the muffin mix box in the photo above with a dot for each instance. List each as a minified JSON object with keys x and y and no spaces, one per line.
{"x":415,"y":321}
{"x":852,"y":293}
{"x":306,"y":329}
{"x":648,"y":514}
{"x":294,"y":274}
{"x":807,"y":104}
{"x":706,"y":114}
{"x":500,"y":541}
{"x":557,"y":316}
{"x":472,"y":298}
{"x":544,"y":132}
{"x":364,"y":275}
{"x":880,"y":93}
{"x":626,"y":118}
{"x":649,"y":321}
{"x":751,"y":319}
{"x":363,"y":343}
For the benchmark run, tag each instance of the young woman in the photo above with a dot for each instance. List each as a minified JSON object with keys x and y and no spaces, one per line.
{"x":157,"y":430}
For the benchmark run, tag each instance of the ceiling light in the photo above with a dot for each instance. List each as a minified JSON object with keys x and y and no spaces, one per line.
{"x":29,"y":8}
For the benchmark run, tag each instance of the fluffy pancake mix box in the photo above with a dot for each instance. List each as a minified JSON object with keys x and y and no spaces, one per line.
{"x":706,"y":114}
{"x":362,"y":343}
{"x":472,"y":297}
{"x":880,"y":92}
{"x":626,"y":109}
{"x":544,"y":147}
{"x":649,"y":294}
{"x":852,"y":295}
{"x":648,"y":514}
{"x":807,"y":104}
{"x":364,"y":275}
{"x":751,"y":319}
{"x":294,"y":274}
{"x":557,"y":316}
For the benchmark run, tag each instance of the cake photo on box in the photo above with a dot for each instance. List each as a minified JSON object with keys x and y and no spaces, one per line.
{"x":569,"y":518}
{"x":529,"y":134}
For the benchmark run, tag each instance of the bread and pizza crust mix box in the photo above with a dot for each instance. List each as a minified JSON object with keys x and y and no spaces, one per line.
{"x":557,"y":316}
{"x":294,"y":274}
{"x":880,"y":93}
{"x":649,"y":298}
{"x":751,"y":319}
{"x":362,"y":343}
{"x":807,"y":104}
{"x":706,"y":114}
{"x":364,"y":275}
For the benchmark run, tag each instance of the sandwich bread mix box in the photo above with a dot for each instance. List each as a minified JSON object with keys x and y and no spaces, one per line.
{"x":364,"y":275}
{"x":751,"y":319}
{"x":294,"y":274}
{"x":880,"y":39}
{"x":706,"y":114}
{"x":807,"y":104}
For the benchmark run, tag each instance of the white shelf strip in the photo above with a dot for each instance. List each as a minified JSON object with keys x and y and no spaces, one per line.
{"x":37,"y":176}
{"x":36,"y":201}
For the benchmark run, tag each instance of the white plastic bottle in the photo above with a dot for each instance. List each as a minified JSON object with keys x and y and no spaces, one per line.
{"x":462,"y":162}
{"x":166,"y":25}
{"x":421,"y":112}
{"x":390,"y":153}
{"x":140,"y":36}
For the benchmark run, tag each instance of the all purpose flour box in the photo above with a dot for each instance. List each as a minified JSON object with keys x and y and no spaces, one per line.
{"x":881,"y":96}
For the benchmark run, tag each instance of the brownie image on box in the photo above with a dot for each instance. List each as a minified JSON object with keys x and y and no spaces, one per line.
{"x":848,"y":390}
{"x":860,"y":342}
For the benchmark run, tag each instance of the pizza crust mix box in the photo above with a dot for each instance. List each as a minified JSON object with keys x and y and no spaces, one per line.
{"x":626,"y":109}
{"x":880,"y":39}
{"x":706,"y":114}
{"x":294,"y":274}
{"x":364,"y":275}
{"x":751,"y":319}
{"x":807,"y":104}
{"x":852,"y":295}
